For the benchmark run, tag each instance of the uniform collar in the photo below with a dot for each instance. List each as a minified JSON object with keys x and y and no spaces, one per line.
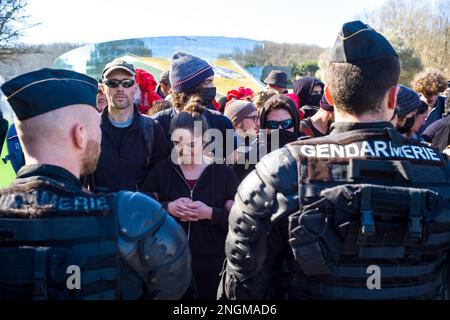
{"x":58,"y":174}
{"x":340,"y":127}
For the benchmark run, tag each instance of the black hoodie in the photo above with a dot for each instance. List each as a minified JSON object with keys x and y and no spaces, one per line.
{"x":303,"y":89}
{"x":289,"y":105}
{"x":217,"y":185}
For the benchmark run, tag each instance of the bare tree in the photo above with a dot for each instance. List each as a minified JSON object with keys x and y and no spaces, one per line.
{"x":13,"y":21}
{"x":419,"y":30}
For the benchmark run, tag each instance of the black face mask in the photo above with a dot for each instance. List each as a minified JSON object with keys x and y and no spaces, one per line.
{"x":314,"y":100}
{"x":284,"y":136}
{"x":208,"y":95}
{"x":409,"y":123}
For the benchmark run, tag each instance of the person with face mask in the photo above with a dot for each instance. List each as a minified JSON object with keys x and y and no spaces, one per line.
{"x":280,"y":123}
{"x":319,"y":124}
{"x":192,"y":76}
{"x":309,"y":91}
{"x":408,"y":102}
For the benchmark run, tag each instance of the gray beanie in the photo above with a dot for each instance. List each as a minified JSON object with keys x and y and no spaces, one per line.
{"x":238,"y":110}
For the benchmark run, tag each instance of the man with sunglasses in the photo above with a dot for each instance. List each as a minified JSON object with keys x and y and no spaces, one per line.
{"x":280,"y":115}
{"x":362,"y":213}
{"x":132,"y":143}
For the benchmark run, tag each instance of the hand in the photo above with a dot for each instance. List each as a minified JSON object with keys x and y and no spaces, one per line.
{"x":183,"y":209}
{"x":229,"y":204}
{"x":203,"y":211}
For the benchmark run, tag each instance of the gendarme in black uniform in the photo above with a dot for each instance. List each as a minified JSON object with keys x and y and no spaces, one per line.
{"x":315,"y":217}
{"x":125,"y":245}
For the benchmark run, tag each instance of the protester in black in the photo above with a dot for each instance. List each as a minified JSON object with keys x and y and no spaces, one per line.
{"x":199,"y":194}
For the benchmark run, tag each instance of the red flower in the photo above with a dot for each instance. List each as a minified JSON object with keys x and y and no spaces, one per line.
{"x":147,"y":85}
{"x":240,"y":94}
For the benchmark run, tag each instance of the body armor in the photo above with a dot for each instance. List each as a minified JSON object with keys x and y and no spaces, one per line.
{"x":364,"y":198}
{"x":124,"y":245}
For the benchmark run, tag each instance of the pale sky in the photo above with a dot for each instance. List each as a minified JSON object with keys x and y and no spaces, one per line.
{"x":90,"y":21}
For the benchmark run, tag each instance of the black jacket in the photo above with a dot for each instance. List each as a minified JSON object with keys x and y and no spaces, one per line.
{"x":216,"y":186}
{"x":263,"y":221}
{"x":125,"y":166}
{"x":215,"y":120}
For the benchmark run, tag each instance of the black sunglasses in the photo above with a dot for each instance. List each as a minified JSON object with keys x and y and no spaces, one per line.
{"x":126,"y":83}
{"x":285,"y":124}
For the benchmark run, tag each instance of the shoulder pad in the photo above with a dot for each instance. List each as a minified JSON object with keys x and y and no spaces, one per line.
{"x":139,"y":215}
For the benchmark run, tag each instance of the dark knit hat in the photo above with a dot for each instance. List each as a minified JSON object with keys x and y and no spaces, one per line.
{"x":188,"y":71}
{"x":358,"y":41}
{"x":277,"y":78}
{"x":407,"y":101}
{"x":45,"y":90}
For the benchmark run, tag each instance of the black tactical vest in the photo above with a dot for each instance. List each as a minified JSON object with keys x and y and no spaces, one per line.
{"x":48,"y":234}
{"x":374,"y":219}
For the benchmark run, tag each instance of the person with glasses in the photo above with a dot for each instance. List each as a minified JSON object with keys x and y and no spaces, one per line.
{"x":244,"y":116}
{"x":280,"y":119}
{"x":132,"y":142}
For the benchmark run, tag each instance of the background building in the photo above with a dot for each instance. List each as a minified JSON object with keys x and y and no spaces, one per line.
{"x":154,"y":55}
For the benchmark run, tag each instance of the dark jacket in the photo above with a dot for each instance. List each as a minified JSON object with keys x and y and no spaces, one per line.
{"x":435,"y":114}
{"x":217,"y":185}
{"x":125,"y":166}
{"x":215,"y":120}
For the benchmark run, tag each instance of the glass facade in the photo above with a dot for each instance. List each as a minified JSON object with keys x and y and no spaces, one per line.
{"x":154,"y":54}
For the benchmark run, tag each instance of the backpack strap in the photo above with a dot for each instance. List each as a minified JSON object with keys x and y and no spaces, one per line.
{"x":148,"y":130}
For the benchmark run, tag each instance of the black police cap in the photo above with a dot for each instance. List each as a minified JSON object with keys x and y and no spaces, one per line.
{"x":358,"y":41}
{"x":45,"y":90}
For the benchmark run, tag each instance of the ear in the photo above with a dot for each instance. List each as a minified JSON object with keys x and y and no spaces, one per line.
{"x":392,"y":97}
{"x":79,"y":136}
{"x":327,"y":92}
{"x":103,"y":86}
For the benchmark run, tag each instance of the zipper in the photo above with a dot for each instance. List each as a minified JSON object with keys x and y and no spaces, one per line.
{"x":191,"y":191}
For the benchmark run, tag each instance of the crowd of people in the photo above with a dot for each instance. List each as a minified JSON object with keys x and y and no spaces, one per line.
{"x":174,"y":142}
